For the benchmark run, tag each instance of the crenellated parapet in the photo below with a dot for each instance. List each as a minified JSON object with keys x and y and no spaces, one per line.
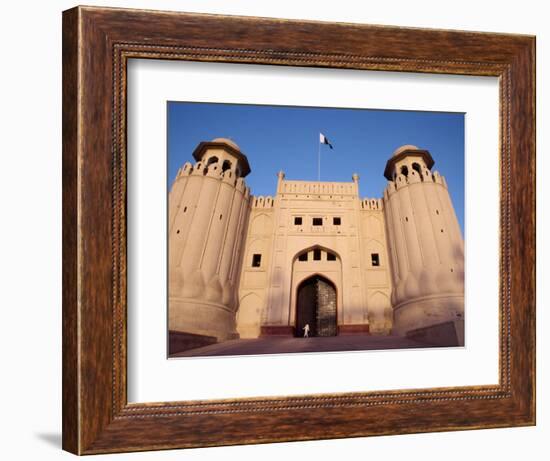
{"x":413,"y":177}
{"x":373,"y":204}
{"x":316,"y":188}
{"x":184,"y":171}
{"x":213,"y":170}
{"x":263,"y":202}
{"x":241,"y":185}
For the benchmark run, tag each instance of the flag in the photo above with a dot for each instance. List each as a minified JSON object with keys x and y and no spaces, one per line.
{"x":324,"y":140}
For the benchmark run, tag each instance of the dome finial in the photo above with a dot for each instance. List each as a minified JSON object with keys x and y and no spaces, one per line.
{"x":229,"y":141}
{"x":403,"y":149}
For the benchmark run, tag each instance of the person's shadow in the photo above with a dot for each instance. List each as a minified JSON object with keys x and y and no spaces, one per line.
{"x":51,"y":438}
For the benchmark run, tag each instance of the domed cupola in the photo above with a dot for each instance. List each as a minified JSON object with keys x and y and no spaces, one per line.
{"x":226,"y":153}
{"x":408,"y":158}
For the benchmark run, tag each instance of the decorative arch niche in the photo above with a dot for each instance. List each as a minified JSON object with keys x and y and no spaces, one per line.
{"x":249,"y":316}
{"x":328,"y":267}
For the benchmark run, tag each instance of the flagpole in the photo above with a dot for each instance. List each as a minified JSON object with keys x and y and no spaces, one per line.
{"x":319,"y":161}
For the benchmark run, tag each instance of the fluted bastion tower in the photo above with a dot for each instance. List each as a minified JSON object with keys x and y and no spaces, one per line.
{"x":425,"y":245}
{"x":208,"y":215}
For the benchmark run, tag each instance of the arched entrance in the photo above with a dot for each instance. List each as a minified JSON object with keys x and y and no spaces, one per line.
{"x":316,"y":306}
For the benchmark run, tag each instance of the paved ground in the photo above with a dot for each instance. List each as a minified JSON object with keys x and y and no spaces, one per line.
{"x":284,"y":345}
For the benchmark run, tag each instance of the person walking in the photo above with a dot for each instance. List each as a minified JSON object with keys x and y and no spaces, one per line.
{"x":306,"y":330}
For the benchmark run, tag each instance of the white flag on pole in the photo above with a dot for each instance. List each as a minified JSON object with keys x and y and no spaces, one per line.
{"x":324,"y":140}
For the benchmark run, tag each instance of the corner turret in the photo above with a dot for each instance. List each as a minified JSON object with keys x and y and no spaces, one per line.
{"x":209,"y":208}
{"x":426,"y":246}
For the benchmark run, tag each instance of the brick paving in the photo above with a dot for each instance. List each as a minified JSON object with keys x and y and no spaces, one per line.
{"x":285,"y":345}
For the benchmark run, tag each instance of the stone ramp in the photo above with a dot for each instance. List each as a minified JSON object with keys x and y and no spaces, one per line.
{"x":285,"y":345}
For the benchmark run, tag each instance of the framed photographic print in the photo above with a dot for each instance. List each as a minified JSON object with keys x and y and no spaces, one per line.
{"x":281,"y":230}
{"x":307,"y":262}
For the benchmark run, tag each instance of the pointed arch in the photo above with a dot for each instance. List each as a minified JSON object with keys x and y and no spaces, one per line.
{"x":316,"y":247}
{"x":416,"y":167}
{"x":373,"y":224}
{"x":309,"y":275}
{"x":316,"y":306}
{"x":249,"y":315}
{"x":211,"y":160}
{"x":227,"y":165}
{"x":374,"y":242}
{"x":261,"y":224}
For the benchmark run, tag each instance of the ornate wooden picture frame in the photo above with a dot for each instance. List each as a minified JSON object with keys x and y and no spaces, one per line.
{"x":97,"y":44}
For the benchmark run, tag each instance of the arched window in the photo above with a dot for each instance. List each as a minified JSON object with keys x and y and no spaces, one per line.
{"x":212,"y":160}
{"x":317,"y":254}
{"x":416,"y":167}
{"x":226,"y":165}
{"x":404,"y":170}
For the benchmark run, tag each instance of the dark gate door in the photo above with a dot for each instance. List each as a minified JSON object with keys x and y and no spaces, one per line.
{"x":307,"y":307}
{"x":326,"y":308}
{"x":316,"y":306}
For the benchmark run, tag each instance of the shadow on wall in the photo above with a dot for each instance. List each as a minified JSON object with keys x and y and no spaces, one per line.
{"x":278,"y":281}
{"x":249,"y":316}
{"x":458,"y":254}
{"x":50,"y":438}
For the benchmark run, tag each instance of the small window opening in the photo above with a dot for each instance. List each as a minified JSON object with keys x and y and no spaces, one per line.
{"x":331,"y":257}
{"x":256,"y":260}
{"x":184,"y":209}
{"x":416,"y":167}
{"x":406,"y":219}
{"x":221,"y":217}
{"x":317,"y":255}
{"x":178,"y":231}
{"x":212,"y":160}
{"x":303,"y":257}
{"x":336,"y":221}
{"x":375,"y":259}
{"x":226,"y":165}
{"x":441,"y":230}
{"x":404,"y":170}
{"x":297,"y":220}
{"x":317,"y":221}
{"x":436,"y":211}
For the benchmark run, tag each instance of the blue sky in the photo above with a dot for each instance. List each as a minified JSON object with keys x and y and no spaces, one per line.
{"x":286,"y":138}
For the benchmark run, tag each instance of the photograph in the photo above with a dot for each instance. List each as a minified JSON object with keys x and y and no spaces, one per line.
{"x":313,"y":229}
